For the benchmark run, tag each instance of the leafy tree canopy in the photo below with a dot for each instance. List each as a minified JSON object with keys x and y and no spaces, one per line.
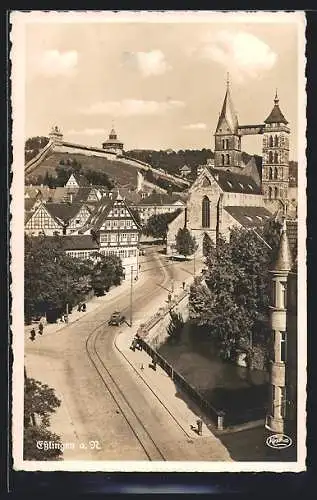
{"x":185,"y":242}
{"x":157,"y":225}
{"x":235,"y":296}
{"x":107,"y":271}
{"x":40,"y":402}
{"x":52,"y":278}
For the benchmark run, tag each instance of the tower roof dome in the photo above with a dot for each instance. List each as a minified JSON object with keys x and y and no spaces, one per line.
{"x":284,"y":260}
{"x":276,"y":115}
{"x":113,"y":134}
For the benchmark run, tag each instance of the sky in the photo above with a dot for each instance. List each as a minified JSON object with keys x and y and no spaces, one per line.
{"x":161,"y":84}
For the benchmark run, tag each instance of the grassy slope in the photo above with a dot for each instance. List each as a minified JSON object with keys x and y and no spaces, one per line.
{"x":122,"y":173}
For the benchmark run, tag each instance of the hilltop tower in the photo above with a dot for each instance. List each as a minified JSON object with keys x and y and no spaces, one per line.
{"x":56,"y":135}
{"x":277,"y":408}
{"x":113,"y":144}
{"x":227,"y":138}
{"x":275,"y":164}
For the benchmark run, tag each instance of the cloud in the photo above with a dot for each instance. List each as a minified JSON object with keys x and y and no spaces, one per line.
{"x":54,"y":63}
{"x":151,"y":63}
{"x":241,"y":53}
{"x":132,"y":107}
{"x":195,"y":126}
{"x":88,"y":131}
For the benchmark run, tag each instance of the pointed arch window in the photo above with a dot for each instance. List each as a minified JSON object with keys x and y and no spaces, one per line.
{"x":223,"y":159}
{"x":270,"y":173}
{"x":228,"y":159}
{"x":270,"y":157}
{"x":275,"y":173}
{"x":205,"y":215}
{"x":275,"y":157}
{"x":276,"y":193}
{"x":271,"y":141}
{"x":223,"y":144}
{"x":276,"y":141}
{"x":270,"y":193}
{"x":227,"y":143}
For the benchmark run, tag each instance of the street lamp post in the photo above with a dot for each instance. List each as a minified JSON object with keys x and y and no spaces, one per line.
{"x":131,"y":295}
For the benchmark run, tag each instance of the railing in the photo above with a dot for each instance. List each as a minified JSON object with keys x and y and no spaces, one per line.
{"x":216,"y":415}
{"x":142,"y":334}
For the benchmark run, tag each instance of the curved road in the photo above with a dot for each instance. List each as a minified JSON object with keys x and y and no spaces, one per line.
{"x":107,"y":413}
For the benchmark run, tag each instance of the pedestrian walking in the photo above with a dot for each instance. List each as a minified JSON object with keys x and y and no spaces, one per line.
{"x":199,"y":426}
{"x":142,"y":366}
{"x":183,"y":285}
{"x":32,"y":334}
{"x":41,"y":328}
{"x":83,"y":308}
{"x":79,"y":306}
{"x":169,"y":297}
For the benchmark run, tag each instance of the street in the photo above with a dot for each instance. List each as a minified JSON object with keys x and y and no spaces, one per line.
{"x":107,"y":412}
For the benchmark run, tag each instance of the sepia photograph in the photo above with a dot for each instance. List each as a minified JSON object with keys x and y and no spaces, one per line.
{"x":158,"y":241}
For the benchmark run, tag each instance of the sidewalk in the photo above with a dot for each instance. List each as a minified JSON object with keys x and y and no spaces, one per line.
{"x":163,"y":387}
{"x":92,"y":305}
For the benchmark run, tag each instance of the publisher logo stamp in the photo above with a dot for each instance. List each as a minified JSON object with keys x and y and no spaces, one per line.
{"x":279,"y":441}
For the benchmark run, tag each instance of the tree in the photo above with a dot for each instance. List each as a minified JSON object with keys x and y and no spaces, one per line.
{"x":185,"y":242}
{"x":136,"y":216}
{"x":234,"y":299}
{"x":157,"y":225}
{"x":33,"y":146}
{"x":107,"y":271}
{"x":175,"y":326}
{"x":52,"y":279}
{"x":40,"y":402}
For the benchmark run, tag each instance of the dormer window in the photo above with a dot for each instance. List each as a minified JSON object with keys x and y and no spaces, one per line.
{"x":251,"y":187}
{"x":241,"y":185}
{"x":229,"y":184}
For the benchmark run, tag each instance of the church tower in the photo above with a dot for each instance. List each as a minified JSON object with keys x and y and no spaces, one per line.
{"x":227,"y":139}
{"x":275,"y":166}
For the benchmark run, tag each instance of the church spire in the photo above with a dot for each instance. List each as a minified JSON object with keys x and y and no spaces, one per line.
{"x":276,"y":99}
{"x":228,"y":118}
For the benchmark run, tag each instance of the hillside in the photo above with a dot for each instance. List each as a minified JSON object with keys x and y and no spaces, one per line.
{"x":121,"y":173}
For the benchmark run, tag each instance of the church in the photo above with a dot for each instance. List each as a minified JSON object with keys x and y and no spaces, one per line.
{"x":231,"y":194}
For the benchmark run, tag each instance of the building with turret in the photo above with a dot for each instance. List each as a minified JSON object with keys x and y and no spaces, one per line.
{"x":275,"y":149}
{"x":113,"y":143}
{"x":281,"y":415}
{"x":229,"y":193}
{"x":55,"y":135}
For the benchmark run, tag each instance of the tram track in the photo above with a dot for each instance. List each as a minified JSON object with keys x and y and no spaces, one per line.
{"x":147,"y":443}
{"x":135,"y":423}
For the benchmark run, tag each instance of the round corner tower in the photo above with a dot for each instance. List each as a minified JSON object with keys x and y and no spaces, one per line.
{"x":277,"y":408}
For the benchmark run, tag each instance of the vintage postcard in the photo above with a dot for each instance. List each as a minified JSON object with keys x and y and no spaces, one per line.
{"x":158,"y":241}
